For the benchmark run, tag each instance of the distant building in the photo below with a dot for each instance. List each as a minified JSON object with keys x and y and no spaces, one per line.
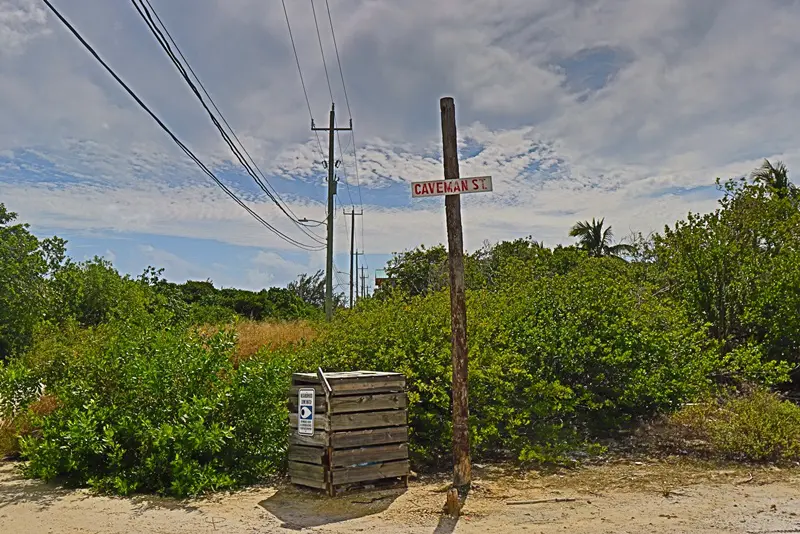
{"x":382,"y":280}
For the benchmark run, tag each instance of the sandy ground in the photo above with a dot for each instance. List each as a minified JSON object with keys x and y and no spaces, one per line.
{"x":647,"y":497}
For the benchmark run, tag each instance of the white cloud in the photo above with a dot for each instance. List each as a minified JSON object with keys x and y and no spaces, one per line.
{"x":175,"y":267}
{"x":706,"y":89}
{"x":20,"y":22}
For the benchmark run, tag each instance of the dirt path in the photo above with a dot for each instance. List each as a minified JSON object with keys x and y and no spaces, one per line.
{"x":635,"y":497}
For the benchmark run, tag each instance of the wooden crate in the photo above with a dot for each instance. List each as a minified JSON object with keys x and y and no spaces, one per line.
{"x":360,"y":430}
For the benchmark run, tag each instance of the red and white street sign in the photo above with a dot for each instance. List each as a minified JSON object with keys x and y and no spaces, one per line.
{"x":433,"y":188}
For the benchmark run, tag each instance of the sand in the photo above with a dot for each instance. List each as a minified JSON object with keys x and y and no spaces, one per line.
{"x":647,"y":497}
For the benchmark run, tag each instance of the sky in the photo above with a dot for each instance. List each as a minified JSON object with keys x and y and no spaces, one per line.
{"x":622,"y":109}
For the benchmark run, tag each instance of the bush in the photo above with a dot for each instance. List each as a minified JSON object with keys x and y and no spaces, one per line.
{"x":556,"y":360}
{"x":154,"y":409}
{"x":756,"y":427}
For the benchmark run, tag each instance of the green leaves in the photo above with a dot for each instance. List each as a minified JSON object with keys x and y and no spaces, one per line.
{"x":737,"y":268}
{"x":24,"y":263}
{"x":556,"y":360}
{"x":162,"y":411}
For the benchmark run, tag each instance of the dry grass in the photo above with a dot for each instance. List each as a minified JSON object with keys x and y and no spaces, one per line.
{"x":12,"y":428}
{"x":251,"y":336}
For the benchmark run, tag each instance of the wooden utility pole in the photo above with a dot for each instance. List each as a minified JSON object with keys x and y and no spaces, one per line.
{"x":357,"y":273}
{"x":331,"y":129}
{"x":363,"y":282}
{"x":462,"y":470}
{"x":353,"y":251}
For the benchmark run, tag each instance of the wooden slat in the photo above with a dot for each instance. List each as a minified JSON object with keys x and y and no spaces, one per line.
{"x":363,"y":438}
{"x":354,"y":421}
{"x":351,"y":387}
{"x":306,"y":471}
{"x":319,"y":439}
{"x":344,"y":375}
{"x":319,"y":484}
{"x":318,"y":391}
{"x":311,"y":455}
{"x":381,"y":453}
{"x":365,"y":376}
{"x":349,"y":475}
{"x":363,"y":403}
{"x":305,"y":378}
{"x":320,"y":421}
{"x":319,"y":404}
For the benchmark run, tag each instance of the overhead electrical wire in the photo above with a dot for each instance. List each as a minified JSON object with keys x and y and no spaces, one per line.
{"x":346,"y":100}
{"x":147,"y":13}
{"x":321,"y":50}
{"x":169,"y":132}
{"x":213,"y":104}
{"x":350,"y":113}
{"x":330,"y":91}
{"x":300,"y":72}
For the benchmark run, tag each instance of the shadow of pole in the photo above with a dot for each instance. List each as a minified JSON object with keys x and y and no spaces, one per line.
{"x":446,"y":525}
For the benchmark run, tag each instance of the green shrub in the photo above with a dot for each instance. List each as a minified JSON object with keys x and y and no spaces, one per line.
{"x":755,"y":427}
{"x":211,"y":314}
{"x":556,"y":360}
{"x":155,"y":409}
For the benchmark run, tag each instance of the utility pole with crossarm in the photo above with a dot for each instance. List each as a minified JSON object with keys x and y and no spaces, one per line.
{"x":331,"y":129}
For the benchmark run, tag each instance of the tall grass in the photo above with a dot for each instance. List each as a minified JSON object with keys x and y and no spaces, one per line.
{"x":251,"y":336}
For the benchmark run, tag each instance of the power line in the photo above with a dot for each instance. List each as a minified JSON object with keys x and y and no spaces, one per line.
{"x":350,"y":113}
{"x":338,"y":60}
{"x":321,"y":51}
{"x":145,"y":13}
{"x":169,"y":132}
{"x":330,"y":91}
{"x":300,"y":72}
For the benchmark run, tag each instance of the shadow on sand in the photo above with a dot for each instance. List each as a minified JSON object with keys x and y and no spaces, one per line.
{"x":298,"y":508}
{"x":16,"y":489}
{"x":446,"y":525}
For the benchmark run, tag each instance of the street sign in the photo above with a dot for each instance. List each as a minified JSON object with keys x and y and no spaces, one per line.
{"x":305,"y":412}
{"x":433,"y":188}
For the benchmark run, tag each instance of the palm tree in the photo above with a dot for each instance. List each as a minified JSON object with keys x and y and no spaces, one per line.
{"x":597,"y":241}
{"x":775,"y":176}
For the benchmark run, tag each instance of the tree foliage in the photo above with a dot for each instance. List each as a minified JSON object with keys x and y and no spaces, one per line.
{"x":25,"y":264}
{"x":567,"y":345}
{"x":597,"y":241}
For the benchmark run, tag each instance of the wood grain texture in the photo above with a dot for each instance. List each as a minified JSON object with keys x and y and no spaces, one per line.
{"x":318,"y":484}
{"x":462,"y":471}
{"x":380,"y":453}
{"x":320,"y":421}
{"x":319,"y":439}
{"x":365,"y":403}
{"x":354,"y":421}
{"x":363,"y":438}
{"x":349,"y":475}
{"x":319,"y":404}
{"x":303,"y":453}
{"x":306,"y":471}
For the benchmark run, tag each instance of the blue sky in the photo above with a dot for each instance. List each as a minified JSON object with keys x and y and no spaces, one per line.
{"x":577,"y":108}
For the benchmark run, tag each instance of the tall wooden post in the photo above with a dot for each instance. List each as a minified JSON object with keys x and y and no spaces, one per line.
{"x":462,"y":470}
{"x":331,"y":129}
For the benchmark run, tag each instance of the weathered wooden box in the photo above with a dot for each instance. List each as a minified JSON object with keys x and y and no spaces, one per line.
{"x":360,"y":430}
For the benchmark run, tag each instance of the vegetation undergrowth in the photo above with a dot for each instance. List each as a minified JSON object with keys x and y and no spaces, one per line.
{"x":138,"y":384}
{"x":758,"y":427}
{"x":157,"y":410}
